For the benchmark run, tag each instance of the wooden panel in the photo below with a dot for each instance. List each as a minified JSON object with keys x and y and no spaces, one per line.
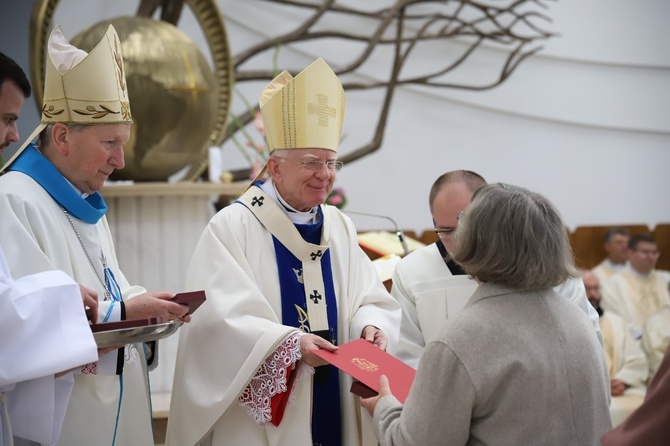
{"x":662,"y":236}
{"x":587,"y":243}
{"x":429,"y":236}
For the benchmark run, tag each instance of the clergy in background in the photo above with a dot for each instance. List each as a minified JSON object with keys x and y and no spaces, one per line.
{"x":626,"y":361}
{"x":616,"y":247}
{"x":284,"y":275}
{"x":639,"y":290}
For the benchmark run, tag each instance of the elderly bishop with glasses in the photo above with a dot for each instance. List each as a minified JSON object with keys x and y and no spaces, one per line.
{"x":284,"y":276}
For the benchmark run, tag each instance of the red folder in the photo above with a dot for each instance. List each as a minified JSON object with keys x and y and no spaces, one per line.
{"x":193,"y":299}
{"x":366,"y":363}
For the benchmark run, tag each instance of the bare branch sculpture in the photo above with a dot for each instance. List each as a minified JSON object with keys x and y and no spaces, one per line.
{"x":403,"y":27}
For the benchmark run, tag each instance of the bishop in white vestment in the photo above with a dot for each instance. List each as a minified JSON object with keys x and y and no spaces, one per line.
{"x":53,"y":217}
{"x":278,"y":267}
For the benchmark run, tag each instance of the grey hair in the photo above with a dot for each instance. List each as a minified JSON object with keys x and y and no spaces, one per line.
{"x":44,"y":138}
{"x":614,"y":231}
{"x":280,"y":153}
{"x":513,"y":237}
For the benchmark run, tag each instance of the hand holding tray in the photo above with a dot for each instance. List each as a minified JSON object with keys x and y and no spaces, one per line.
{"x":114,"y":334}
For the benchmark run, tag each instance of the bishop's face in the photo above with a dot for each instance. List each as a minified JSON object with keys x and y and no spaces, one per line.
{"x":302,"y":177}
{"x":93,"y":152}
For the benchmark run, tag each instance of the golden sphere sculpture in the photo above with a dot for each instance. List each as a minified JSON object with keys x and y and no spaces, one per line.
{"x":172,"y":92}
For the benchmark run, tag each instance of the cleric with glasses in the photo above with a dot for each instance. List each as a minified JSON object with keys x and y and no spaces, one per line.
{"x":284,"y":276}
{"x":333,"y":166}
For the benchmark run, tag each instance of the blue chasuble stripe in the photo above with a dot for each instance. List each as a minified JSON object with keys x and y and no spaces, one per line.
{"x":326,"y":420}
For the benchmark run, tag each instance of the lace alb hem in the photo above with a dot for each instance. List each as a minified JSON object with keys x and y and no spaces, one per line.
{"x":270,"y":380}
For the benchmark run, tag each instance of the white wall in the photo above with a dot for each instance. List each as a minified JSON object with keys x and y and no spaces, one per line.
{"x":584,"y":122}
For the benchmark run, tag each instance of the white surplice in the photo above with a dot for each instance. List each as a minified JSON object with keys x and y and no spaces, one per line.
{"x":239,"y":327}
{"x":429,"y":294}
{"x":37,"y":237}
{"x":656,"y":339}
{"x":606,"y":269}
{"x":43,"y":331}
{"x":627,"y":363}
{"x":635,"y":297}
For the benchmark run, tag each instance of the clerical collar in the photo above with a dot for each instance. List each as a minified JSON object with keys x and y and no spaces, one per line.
{"x":637,"y":273}
{"x":31,"y":162}
{"x":83,"y":195}
{"x":310,"y":217}
{"x":454,"y":267}
{"x":616,"y":266}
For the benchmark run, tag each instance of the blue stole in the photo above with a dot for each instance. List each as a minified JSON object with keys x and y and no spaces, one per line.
{"x":90,"y":209}
{"x":32,"y":163}
{"x":326,"y":419}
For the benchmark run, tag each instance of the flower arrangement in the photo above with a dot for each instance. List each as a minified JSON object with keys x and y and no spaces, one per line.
{"x":337,"y":198}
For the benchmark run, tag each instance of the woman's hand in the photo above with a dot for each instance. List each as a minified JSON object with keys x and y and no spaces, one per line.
{"x":384,"y":389}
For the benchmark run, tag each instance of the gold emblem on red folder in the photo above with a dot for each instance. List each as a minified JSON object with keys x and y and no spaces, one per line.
{"x":364,"y":364}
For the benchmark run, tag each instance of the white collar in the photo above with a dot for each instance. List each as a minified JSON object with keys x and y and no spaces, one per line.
{"x":296,"y":216}
{"x":83,"y":195}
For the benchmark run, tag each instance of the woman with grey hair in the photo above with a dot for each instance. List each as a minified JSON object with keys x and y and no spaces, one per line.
{"x":519,"y":365}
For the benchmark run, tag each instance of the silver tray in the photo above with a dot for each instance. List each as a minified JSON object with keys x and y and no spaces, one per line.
{"x":147,"y":333}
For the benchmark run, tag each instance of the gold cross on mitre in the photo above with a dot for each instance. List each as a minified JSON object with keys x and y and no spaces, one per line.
{"x":305,"y":111}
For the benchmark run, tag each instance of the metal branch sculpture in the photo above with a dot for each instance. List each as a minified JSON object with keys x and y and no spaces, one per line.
{"x":510,"y":25}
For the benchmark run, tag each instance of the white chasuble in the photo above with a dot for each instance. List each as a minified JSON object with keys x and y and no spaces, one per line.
{"x":627,"y":363}
{"x":636,"y":298}
{"x":43,"y":240}
{"x":239,"y":327}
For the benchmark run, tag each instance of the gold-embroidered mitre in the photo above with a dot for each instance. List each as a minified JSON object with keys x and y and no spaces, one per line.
{"x":82,"y":88}
{"x":305,"y":111}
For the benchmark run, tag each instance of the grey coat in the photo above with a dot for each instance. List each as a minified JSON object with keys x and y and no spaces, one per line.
{"x":513,"y":368}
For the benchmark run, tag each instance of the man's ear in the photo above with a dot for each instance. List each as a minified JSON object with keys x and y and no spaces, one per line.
{"x":273,"y":169}
{"x":60,"y":138}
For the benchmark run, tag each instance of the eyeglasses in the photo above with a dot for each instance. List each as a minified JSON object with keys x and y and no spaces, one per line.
{"x":649,"y":252}
{"x":444,"y":233}
{"x":315,"y":166}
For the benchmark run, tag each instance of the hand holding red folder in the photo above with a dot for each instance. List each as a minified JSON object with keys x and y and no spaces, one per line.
{"x":370,"y":402}
{"x":366,"y":363}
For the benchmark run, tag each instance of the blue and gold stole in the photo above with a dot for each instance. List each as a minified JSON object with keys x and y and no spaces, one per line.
{"x":308,"y":302}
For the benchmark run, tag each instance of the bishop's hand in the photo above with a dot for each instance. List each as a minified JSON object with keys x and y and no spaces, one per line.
{"x":310,"y":342}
